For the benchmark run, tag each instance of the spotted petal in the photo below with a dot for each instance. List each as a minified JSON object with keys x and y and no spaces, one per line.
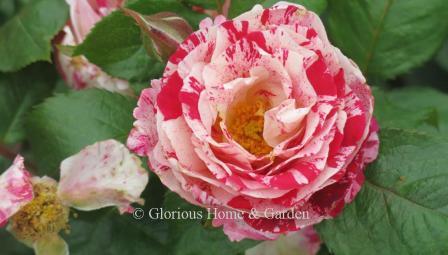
{"x":15,"y":189}
{"x":103,"y":174}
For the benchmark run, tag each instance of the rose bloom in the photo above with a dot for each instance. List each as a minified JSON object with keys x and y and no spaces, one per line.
{"x":259,"y":112}
{"x":77,"y":71}
{"x":36,"y":209}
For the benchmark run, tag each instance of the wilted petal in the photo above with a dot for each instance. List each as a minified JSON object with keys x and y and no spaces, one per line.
{"x":51,"y":245}
{"x":103,"y":174}
{"x":16,"y":189}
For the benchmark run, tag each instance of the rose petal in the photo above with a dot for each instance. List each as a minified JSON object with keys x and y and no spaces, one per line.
{"x":51,"y":245}
{"x":77,"y":71}
{"x":16,"y":189}
{"x":103,"y":174}
{"x":83,"y":18}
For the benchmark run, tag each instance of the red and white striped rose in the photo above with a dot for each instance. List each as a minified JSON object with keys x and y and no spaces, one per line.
{"x":259,"y":113}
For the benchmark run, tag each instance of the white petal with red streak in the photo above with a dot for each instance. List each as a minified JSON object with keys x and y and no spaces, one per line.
{"x":16,"y":189}
{"x":103,"y":174}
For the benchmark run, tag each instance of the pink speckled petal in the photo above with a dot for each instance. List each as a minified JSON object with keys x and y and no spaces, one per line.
{"x":83,"y":18}
{"x":143,"y":136}
{"x":77,"y":71}
{"x":103,"y":174}
{"x":16,"y":189}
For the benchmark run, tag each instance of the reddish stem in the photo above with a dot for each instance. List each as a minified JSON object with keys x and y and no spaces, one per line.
{"x":11,"y":155}
{"x":7,"y":153}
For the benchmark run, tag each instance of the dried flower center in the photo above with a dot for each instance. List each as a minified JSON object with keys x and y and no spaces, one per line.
{"x":44,"y":215}
{"x":245,"y":124}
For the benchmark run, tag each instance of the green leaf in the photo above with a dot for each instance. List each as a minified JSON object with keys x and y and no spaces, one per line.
{"x":4,"y":164}
{"x":431,"y":74}
{"x":317,"y":6}
{"x":115,"y":43}
{"x":191,"y":237}
{"x":107,"y":232}
{"x":8,"y":8}
{"x":26,"y":38}
{"x":324,"y":250}
{"x":66,"y":123}
{"x":412,"y":107}
{"x":206,"y":4}
{"x":403,"y":205}
{"x":237,"y":7}
{"x":10,"y":246}
{"x":442,"y":57}
{"x":386,"y":37}
{"x":18,"y":93}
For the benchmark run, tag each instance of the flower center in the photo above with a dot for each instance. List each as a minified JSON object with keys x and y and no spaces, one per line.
{"x":44,"y":215}
{"x":246,"y":121}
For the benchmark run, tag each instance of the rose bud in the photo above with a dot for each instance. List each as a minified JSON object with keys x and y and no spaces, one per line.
{"x":163,"y":32}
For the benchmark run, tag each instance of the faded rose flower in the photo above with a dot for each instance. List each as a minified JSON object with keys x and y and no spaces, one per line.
{"x":262,"y":115}
{"x":303,"y":242}
{"x":37,"y":208}
{"x":77,"y":71}
{"x":16,"y":190}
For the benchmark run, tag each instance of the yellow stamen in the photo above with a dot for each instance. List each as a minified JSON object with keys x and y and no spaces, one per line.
{"x":245,"y":124}
{"x":45,"y":215}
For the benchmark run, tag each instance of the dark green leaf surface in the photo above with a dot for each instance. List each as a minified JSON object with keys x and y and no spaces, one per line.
{"x":26,"y":38}
{"x":115,"y":44}
{"x":18,"y":93}
{"x":403,"y":205}
{"x":8,"y":8}
{"x":66,"y":123}
{"x":442,"y":57}
{"x":239,"y":6}
{"x":4,"y":164}
{"x":10,"y":246}
{"x":386,"y":37}
{"x":107,"y":232}
{"x":191,"y":237}
{"x":412,"y":107}
{"x":206,"y":4}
